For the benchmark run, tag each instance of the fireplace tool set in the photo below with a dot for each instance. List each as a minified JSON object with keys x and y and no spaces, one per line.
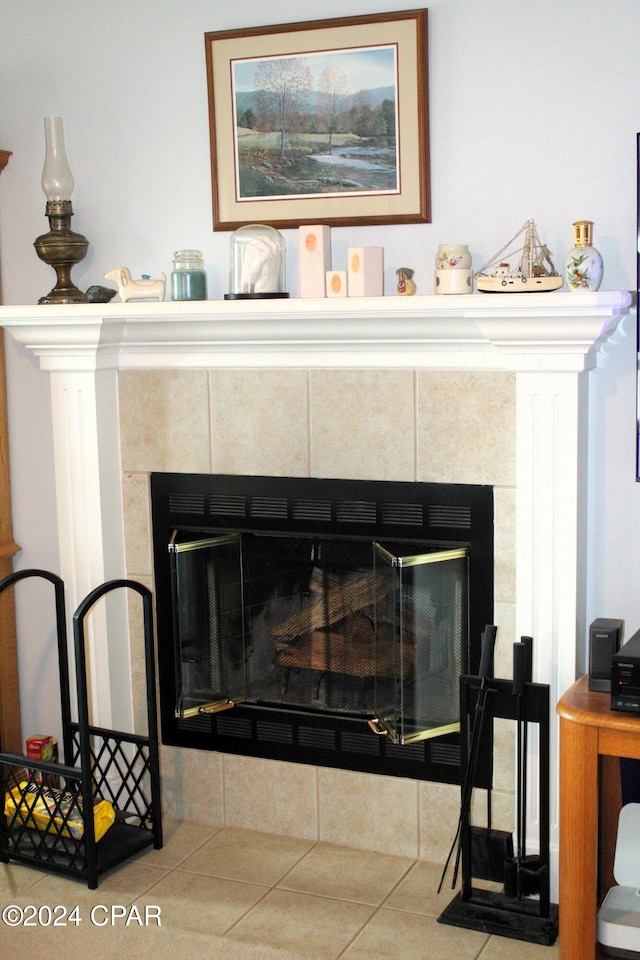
{"x":521,"y":909}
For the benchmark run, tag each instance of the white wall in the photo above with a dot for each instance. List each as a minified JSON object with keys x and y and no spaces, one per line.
{"x":531,"y":116}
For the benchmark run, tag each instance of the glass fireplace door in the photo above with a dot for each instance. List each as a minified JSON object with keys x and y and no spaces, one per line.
{"x":344,"y":626}
{"x":421,"y":641}
{"x":209,"y":629}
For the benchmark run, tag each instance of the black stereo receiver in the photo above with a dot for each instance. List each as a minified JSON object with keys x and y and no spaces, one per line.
{"x":625,"y":676}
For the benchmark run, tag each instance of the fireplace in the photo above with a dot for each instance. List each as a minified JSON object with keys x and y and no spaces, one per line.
{"x":479,"y":389}
{"x":324,"y":612}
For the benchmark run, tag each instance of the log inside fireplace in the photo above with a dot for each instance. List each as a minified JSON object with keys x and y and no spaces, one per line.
{"x":333,"y":632}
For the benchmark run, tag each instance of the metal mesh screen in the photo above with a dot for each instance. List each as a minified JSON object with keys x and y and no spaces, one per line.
{"x":310,"y":624}
{"x":322,"y":628}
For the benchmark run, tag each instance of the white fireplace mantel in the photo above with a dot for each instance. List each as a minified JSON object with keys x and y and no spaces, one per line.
{"x":483,"y":331}
{"x":548,"y":341}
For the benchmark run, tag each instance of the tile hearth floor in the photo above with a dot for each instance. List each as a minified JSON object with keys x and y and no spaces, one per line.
{"x":230,"y":894}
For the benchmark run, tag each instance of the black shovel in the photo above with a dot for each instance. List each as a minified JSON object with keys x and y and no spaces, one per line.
{"x":490,"y":849}
{"x":479,"y":837}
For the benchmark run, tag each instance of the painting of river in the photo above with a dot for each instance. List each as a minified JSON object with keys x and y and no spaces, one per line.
{"x":316,"y":124}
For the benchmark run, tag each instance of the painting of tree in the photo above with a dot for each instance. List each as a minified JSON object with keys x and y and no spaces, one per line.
{"x":282,"y":91}
{"x":333,"y":86}
{"x":321,"y":123}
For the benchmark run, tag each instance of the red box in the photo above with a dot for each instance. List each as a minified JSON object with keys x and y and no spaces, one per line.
{"x":43,"y":747}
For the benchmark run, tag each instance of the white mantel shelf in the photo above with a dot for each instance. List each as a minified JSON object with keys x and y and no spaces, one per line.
{"x":552,"y":331}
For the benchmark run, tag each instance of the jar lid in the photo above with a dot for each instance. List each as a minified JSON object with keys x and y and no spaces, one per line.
{"x":188,"y":255}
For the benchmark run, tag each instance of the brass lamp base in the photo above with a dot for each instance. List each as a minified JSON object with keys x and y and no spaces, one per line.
{"x":61,"y":248}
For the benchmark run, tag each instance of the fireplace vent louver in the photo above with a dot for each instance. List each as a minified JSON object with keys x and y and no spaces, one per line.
{"x":274,"y":732}
{"x":359,"y":743}
{"x":240,"y":727}
{"x":453,"y":516}
{"x":312,"y":510}
{"x":273,"y":508}
{"x":198,"y":724}
{"x":403,"y":514}
{"x":187,"y":503}
{"x":227,"y":506}
{"x":317,"y":737}
{"x":447,"y":753}
{"x":356,"y":511}
{"x":413,"y":751}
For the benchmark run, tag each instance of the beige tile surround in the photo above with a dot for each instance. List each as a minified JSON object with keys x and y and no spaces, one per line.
{"x":433,"y":426}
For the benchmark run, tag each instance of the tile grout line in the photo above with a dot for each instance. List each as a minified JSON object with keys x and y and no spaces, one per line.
{"x":302,"y":857}
{"x":359,"y":933}
{"x":249,"y":910}
{"x":377,"y":910}
{"x":214,"y":830}
{"x":268,"y":889}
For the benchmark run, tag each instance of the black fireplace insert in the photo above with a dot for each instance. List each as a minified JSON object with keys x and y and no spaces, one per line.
{"x":320,"y":621}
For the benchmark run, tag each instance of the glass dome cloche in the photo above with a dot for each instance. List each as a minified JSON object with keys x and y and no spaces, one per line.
{"x":256,"y":263}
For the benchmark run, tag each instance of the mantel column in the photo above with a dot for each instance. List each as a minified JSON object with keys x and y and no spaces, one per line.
{"x":90,"y":524}
{"x":551,"y":413}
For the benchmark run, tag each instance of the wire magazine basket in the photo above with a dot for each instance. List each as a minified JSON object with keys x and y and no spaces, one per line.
{"x":102,"y":804}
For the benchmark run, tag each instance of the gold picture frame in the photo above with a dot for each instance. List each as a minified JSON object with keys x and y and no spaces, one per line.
{"x":325,"y":121}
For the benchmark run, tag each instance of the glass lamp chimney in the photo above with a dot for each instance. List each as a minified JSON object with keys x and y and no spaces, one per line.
{"x":57,"y":179}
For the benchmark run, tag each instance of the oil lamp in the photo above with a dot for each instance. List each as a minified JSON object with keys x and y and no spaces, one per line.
{"x":61,"y":248}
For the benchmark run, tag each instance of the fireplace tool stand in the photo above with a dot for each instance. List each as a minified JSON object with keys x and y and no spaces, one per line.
{"x":522,"y":909}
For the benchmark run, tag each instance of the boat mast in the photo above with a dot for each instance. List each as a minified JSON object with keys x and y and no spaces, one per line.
{"x":529,"y":251}
{"x":502,"y":251}
{"x":534,"y":254}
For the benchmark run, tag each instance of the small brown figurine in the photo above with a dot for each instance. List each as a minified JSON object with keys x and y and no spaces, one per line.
{"x":406,"y":286}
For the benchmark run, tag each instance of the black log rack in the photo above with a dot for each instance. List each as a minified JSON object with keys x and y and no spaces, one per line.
{"x":100,"y":764}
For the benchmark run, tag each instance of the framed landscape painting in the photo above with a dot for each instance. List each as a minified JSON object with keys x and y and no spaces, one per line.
{"x":325,"y":121}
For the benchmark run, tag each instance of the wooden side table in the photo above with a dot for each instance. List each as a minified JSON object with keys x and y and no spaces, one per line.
{"x":589,"y":732}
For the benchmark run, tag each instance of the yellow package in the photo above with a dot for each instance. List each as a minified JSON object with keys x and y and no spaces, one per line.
{"x":39,"y":806}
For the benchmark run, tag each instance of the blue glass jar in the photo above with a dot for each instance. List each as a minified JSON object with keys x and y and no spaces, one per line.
{"x":188,"y":279}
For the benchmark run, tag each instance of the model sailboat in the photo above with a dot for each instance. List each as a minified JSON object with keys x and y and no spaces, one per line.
{"x":534,"y":271}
